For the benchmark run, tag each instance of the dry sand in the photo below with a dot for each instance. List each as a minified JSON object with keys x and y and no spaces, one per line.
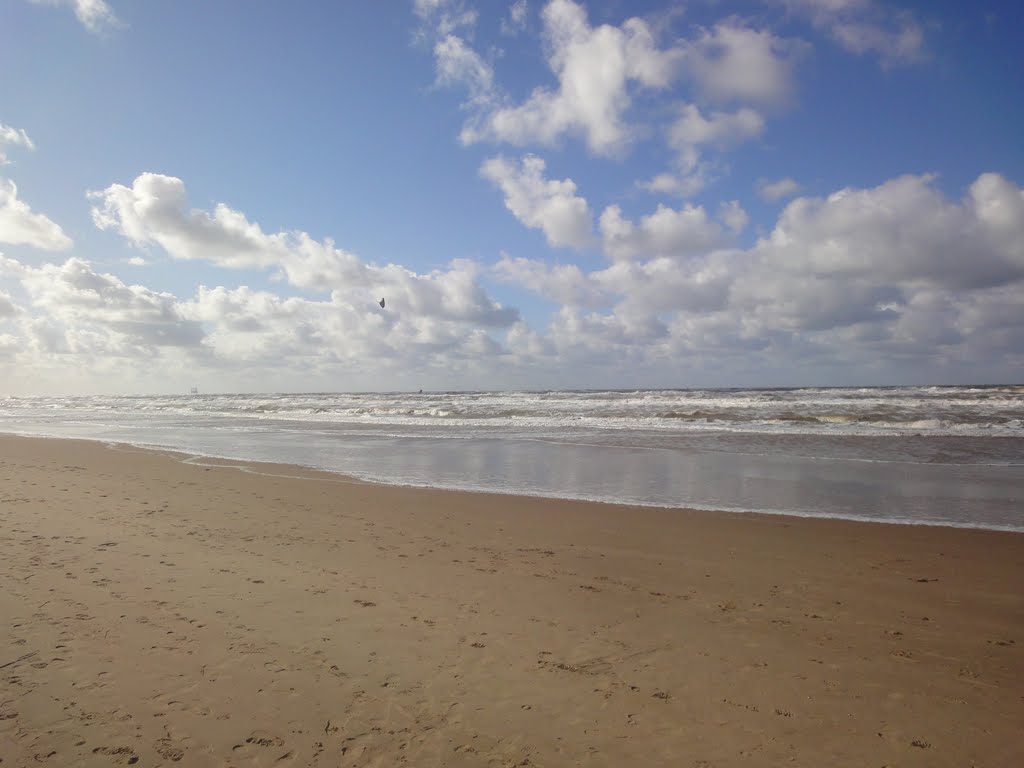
{"x":156,"y":611}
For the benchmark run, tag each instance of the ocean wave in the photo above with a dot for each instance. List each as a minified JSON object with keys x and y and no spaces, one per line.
{"x":961,"y":411}
{"x":869,"y":421}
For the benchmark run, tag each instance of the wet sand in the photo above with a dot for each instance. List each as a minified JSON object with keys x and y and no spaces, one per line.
{"x":157,"y":611}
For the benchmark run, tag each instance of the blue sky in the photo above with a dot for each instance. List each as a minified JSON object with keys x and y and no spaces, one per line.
{"x":547,"y":194}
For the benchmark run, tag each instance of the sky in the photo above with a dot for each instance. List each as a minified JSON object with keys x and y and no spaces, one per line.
{"x":557,"y":194}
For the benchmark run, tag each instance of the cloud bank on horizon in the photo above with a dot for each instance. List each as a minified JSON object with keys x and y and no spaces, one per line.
{"x":726,"y":195}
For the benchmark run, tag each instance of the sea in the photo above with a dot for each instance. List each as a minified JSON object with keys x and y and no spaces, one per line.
{"x":934,"y":455}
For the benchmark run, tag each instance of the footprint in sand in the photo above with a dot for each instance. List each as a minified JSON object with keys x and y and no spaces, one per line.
{"x":259,"y":742}
{"x":121,"y":755}
{"x":166,"y":749}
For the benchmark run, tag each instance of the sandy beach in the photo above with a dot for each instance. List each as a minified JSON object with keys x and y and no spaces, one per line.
{"x":160,"y":611}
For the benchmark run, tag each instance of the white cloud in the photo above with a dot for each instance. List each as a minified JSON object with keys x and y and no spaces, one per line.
{"x":19,"y":225}
{"x":261,"y":328}
{"x":13,"y":137}
{"x":95,"y":15}
{"x":993,"y":321}
{"x":441,"y":18}
{"x":693,"y":129}
{"x":591,"y":338}
{"x":458,"y":64}
{"x":897,"y":274}
{"x":9,"y":348}
{"x":447,"y":26}
{"x":546,"y":204}
{"x":905,"y":229}
{"x":518,"y":15}
{"x":863,"y":26}
{"x":903,"y":45}
{"x":895,"y":265}
{"x":7,"y":306}
{"x":731,"y":214}
{"x":636,"y":288}
{"x":529,"y":346}
{"x":594,"y":67}
{"x":690,"y":134}
{"x":735,"y":63}
{"x":891,"y":275}
{"x":81,"y":326}
{"x":427,"y":7}
{"x":83,"y":311}
{"x":153,"y":210}
{"x":600,"y":70}
{"x":561,"y":283}
{"x":684,"y":184}
{"x":670,"y":233}
{"x":771,"y":191}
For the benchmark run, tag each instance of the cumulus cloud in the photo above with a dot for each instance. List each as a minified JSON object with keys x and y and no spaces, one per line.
{"x":621,"y":338}
{"x":20,"y":225}
{"x":154,"y":210}
{"x":896,"y":273}
{"x":546,"y":204}
{"x":595,"y":67}
{"x":888,"y":267}
{"x":864,"y":26}
{"x":636,"y":288}
{"x":689,"y":134}
{"x":7,"y":307}
{"x":13,"y":137}
{"x":729,"y":64}
{"x":731,"y":214}
{"x":770,"y":191}
{"x":693,"y":129}
{"x":667,"y":232}
{"x":561,"y":283}
{"x":893,"y":272}
{"x":905,"y":229}
{"x":734,"y":72}
{"x":81,"y":324}
{"x":665,"y":285}
{"x":255,"y":327}
{"x":84,"y":311}
{"x":95,"y":15}
{"x":732,"y":63}
{"x":75,"y":324}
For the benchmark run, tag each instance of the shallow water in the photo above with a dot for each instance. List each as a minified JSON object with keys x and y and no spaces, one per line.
{"x":952,"y":456}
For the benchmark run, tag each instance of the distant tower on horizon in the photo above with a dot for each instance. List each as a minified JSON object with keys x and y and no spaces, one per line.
{"x":194,"y":391}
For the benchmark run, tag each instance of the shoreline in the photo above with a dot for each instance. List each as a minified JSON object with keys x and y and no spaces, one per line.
{"x":164,"y":610}
{"x":187,"y":457}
